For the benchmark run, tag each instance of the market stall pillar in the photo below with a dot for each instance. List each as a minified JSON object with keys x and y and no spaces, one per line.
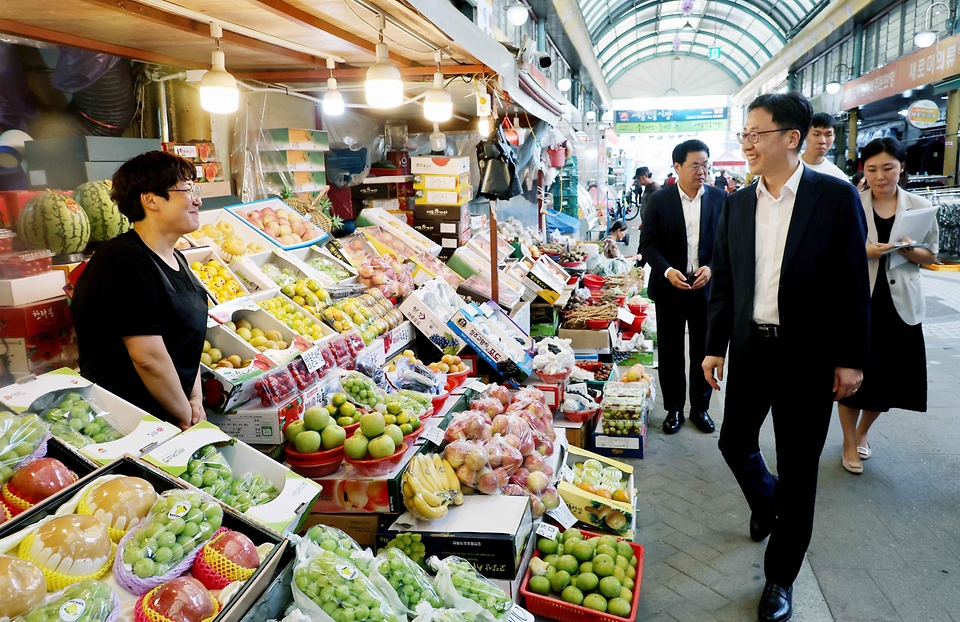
{"x":852,"y":136}
{"x":953,"y":125}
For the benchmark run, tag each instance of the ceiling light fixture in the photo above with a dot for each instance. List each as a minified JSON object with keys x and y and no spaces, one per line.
{"x":484,"y":126}
{"x":437,"y":104}
{"x":218,"y":89}
{"x":564,"y":84}
{"x":518,"y":13}
{"x":332,"y":99}
{"x":591,"y":115}
{"x":383,"y":84}
{"x":928,"y":36}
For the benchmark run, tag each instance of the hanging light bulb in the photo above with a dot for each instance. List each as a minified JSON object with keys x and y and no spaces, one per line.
{"x":218,"y":89}
{"x":517,"y":13}
{"x":437,"y":104}
{"x":591,"y":115}
{"x":484,"y":125}
{"x":332,"y":99}
{"x":564,"y":84}
{"x":383,"y":85}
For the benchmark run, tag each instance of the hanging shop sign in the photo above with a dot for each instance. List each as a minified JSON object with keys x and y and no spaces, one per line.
{"x":715,"y":53}
{"x":931,"y":64}
{"x":923,"y":114}
{"x":658,"y":121}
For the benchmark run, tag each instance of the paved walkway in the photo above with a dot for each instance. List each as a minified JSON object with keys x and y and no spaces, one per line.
{"x":886,"y":544}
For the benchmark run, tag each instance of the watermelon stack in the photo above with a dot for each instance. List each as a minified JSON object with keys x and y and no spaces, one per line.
{"x":106,"y":221}
{"x":54,"y":221}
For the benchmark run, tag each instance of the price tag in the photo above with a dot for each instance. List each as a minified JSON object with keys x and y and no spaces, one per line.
{"x":313,"y":359}
{"x":566,"y":474}
{"x":625,"y":316}
{"x":477,"y":386}
{"x":562,"y":515}
{"x":547,"y":531}
{"x":579,"y":388}
{"x":434,"y":435}
{"x":519,"y":614}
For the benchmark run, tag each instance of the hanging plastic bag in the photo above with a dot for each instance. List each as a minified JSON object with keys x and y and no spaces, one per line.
{"x":346,"y":167}
{"x":333,"y":539}
{"x":367,"y":564}
{"x":463,"y":588}
{"x":472,"y":425}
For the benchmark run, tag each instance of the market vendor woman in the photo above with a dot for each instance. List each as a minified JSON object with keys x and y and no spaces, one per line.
{"x":139,"y":313}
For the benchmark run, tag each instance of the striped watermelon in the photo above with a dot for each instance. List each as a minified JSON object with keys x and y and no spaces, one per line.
{"x":54,"y":221}
{"x":106,"y":221}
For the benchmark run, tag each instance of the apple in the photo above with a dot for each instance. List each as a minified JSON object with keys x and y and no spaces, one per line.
{"x":333,"y":436}
{"x":40,"y":479}
{"x":550,"y":498}
{"x":182,"y":600}
{"x":520,"y":477}
{"x":316,"y":418}
{"x":537,"y":481}
{"x":534,"y":462}
{"x":537,"y":506}
{"x":372,"y":425}
{"x":394,"y":432}
{"x":356,"y":447}
{"x":514,"y":490}
{"x":308,"y":442}
{"x":382,"y":446}
{"x":238,"y":548}
{"x":467,"y":476}
{"x":487,"y":482}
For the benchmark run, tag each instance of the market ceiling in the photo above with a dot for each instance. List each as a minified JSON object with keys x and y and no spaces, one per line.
{"x":627,"y":33}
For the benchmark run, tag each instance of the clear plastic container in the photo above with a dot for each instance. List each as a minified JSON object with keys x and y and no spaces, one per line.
{"x":25,"y":263}
{"x":623,"y":407}
{"x":304,"y":379}
{"x":275,"y":387}
{"x":622,"y":427}
{"x":6,"y":241}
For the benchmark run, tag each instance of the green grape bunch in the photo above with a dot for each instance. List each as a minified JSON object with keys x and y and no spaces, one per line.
{"x":333,"y":540}
{"x":335,"y":585}
{"x":74,"y":422}
{"x":19,"y":437}
{"x":472,"y":585}
{"x":410,"y":581}
{"x":412,"y":546}
{"x":209,"y":471}
{"x":179,"y":522}
{"x":86,"y":601}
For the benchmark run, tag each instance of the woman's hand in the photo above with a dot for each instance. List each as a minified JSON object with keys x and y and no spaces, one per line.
{"x":197,"y":413}
{"x":876,"y":251}
{"x":917,"y":255}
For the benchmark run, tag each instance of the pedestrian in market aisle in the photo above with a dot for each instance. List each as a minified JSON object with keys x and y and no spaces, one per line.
{"x":677,"y":240}
{"x":897,"y":306}
{"x":140,"y":314}
{"x":644,"y":186}
{"x":818,"y":144}
{"x":793,"y":233}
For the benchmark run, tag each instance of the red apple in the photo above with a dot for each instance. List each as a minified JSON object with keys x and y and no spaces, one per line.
{"x":238,"y":548}
{"x":537,"y":482}
{"x":550,"y":498}
{"x":40,"y":479}
{"x":182,"y":600}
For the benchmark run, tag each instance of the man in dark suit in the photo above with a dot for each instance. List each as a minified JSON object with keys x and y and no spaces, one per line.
{"x":793,"y":238}
{"x":679,"y":224}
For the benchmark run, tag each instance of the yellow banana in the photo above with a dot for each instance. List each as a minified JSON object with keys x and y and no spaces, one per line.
{"x":431,"y":471}
{"x":453,"y":482}
{"x":423,"y":511}
{"x":442,"y":472}
{"x":432,"y":498}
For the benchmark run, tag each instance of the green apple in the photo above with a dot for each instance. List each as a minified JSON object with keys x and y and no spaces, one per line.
{"x":382,"y":446}
{"x":406,"y":428}
{"x":316,"y":418}
{"x":393,"y":431}
{"x":372,"y":425}
{"x":347,"y":409}
{"x":356,"y":447}
{"x":293,"y":429}
{"x":308,"y":442}
{"x":339,"y":399}
{"x":344,"y":421}
{"x":333,"y":436}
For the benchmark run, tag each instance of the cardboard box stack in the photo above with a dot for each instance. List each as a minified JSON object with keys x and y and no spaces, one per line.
{"x":294,"y":159}
{"x":68,"y":162}
{"x":442,"y":190}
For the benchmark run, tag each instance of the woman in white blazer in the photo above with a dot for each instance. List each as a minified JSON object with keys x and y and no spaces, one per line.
{"x":896,"y":305}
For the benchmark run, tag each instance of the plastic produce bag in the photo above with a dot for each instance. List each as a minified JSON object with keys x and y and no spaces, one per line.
{"x":463,"y":588}
{"x":411,"y":582}
{"x":367,"y":564}
{"x":165,"y":544}
{"x":418,"y":377}
{"x":361,"y":390}
{"x":490,"y":405}
{"x":22,"y":440}
{"x":468,"y":459}
{"x":502,"y":454}
{"x":333,"y":539}
{"x":608,"y":267}
{"x":414,"y":401}
{"x":210,"y":471}
{"x":472,"y":425}
{"x":86,"y":601}
{"x":330,"y":588}
{"x":517,"y":431}
{"x":429,"y":614}
{"x":367,"y":366}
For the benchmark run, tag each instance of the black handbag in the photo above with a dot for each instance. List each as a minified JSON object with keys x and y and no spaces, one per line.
{"x":498,"y":168}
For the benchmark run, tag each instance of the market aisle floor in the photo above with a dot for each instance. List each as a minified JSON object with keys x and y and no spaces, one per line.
{"x":886,"y":544}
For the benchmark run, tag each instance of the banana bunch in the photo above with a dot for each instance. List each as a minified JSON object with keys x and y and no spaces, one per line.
{"x":430,"y":484}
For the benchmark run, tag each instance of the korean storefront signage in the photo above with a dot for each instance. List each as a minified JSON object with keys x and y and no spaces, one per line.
{"x":656,"y":121}
{"x":923,"y":114}
{"x":931,"y":64}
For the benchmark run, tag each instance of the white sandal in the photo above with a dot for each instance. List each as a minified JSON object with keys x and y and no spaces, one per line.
{"x":864,"y":452}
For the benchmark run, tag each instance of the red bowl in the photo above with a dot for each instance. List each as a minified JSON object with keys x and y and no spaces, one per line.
{"x":597,"y":324}
{"x":572,"y":264}
{"x":461,"y":376}
{"x":554,"y":378}
{"x":635,"y":309}
{"x":580,"y":417}
{"x":593,"y":280}
{"x":409,"y":439}
{"x":427,"y":414}
{"x":312,"y":465}
{"x":350,"y":429}
{"x":378,"y":467}
{"x":439,"y":401}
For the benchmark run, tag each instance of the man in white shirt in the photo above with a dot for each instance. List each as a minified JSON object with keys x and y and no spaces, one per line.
{"x":818,"y":144}
{"x":795,"y":232}
{"x":679,"y":224}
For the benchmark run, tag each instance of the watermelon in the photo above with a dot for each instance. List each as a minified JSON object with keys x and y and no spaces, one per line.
{"x":106,"y":221}
{"x":54,"y":221}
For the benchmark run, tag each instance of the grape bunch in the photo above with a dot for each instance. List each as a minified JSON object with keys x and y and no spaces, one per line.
{"x":19,"y":437}
{"x":179,"y":522}
{"x":86,"y":601}
{"x":333,"y":540}
{"x":509,"y":370}
{"x":410,"y":581}
{"x":471,"y":584}
{"x":74,"y":422}
{"x":410,"y":544}
{"x":362,"y":390}
{"x":445,"y":342}
{"x":342,"y":591}
{"x":209,"y":471}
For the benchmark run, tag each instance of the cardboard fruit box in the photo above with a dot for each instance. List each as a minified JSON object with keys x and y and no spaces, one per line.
{"x":283,"y":514}
{"x":277,"y":205}
{"x":250,"y":311}
{"x":141,"y":431}
{"x":616,"y":517}
{"x":249,"y":592}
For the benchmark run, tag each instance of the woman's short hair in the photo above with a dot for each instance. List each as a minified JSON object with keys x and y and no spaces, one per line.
{"x":153,"y":171}
{"x":891,"y":146}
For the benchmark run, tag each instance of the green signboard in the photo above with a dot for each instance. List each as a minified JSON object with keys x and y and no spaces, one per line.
{"x":715,"y":53}
{"x":661,"y":121}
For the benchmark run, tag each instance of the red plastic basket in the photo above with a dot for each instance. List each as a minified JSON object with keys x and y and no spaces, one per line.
{"x":556,"y":609}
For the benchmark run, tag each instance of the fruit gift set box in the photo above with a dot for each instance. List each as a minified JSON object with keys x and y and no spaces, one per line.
{"x":86,"y":418}
{"x":484,"y":330}
{"x":283,"y":513}
{"x":599,"y":491}
{"x":60,"y":506}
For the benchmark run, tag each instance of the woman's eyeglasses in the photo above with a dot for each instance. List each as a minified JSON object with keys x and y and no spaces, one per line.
{"x":194,"y":191}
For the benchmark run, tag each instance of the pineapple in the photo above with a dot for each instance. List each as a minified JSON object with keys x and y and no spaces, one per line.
{"x":317,"y":210}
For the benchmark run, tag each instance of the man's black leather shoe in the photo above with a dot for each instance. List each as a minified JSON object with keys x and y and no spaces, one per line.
{"x":760,"y":527}
{"x":671,"y":425}
{"x":776,"y":604}
{"x":703,"y":422}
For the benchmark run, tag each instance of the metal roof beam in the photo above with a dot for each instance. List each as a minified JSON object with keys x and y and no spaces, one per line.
{"x":631,"y":61}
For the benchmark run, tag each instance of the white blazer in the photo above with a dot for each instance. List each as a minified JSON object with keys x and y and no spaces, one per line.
{"x":904,"y":280}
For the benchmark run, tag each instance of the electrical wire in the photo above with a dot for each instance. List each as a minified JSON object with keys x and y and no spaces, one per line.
{"x":380,"y":32}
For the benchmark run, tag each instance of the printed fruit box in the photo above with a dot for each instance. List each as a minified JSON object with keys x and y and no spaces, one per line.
{"x":261,"y":425}
{"x":217,"y":279}
{"x":268,"y":271}
{"x":292,"y":160}
{"x":292,"y":138}
{"x":474,"y":326}
{"x":353,"y":249}
{"x":267,"y":219}
{"x":616,"y":517}
{"x":94,"y":423}
{"x":283,"y":514}
{"x":313,"y":254}
{"x":432,"y":165}
{"x":245,"y":320}
{"x":441,"y":182}
{"x":394,"y":225}
{"x":426,"y":320}
{"x":64,"y":501}
{"x":302,"y":181}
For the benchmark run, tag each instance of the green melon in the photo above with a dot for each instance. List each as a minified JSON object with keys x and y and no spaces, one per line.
{"x":106,"y":221}
{"x":54,"y":221}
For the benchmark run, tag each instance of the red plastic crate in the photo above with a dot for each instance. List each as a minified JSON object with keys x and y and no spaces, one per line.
{"x":556,"y":609}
